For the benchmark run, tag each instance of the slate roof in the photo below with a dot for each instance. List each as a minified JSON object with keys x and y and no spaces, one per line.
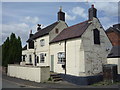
{"x":72,"y":32}
{"x":115,"y":52}
{"x":113,"y":29}
{"x":25,"y":47}
{"x":43,"y":31}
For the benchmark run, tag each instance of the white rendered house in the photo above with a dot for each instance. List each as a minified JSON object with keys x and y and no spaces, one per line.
{"x":79,"y":50}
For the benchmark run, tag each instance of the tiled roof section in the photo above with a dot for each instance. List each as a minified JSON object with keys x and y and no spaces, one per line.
{"x":72,"y":32}
{"x":25,"y":47}
{"x":43,"y":31}
{"x":112,"y":29}
{"x":115,"y":52}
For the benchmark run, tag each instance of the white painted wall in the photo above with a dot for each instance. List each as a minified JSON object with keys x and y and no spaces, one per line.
{"x":37,"y":74}
{"x":75,"y":63}
{"x":74,"y":57}
{"x":42,"y":49}
{"x":28,"y":52}
{"x":54,"y":49}
{"x":114,"y":61}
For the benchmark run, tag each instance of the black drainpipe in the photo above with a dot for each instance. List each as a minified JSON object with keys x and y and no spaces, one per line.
{"x":65,"y":56}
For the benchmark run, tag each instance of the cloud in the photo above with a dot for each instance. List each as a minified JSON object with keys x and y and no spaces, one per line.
{"x":79,"y":11}
{"x":69,"y":17}
{"x":74,"y":12}
{"x":107,"y":22}
{"x":21,"y":29}
{"x":110,"y":9}
{"x":29,"y":19}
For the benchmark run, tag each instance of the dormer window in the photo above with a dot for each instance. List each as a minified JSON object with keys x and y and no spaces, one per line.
{"x":96,"y":34}
{"x":42,"y":42}
{"x":31,"y":45}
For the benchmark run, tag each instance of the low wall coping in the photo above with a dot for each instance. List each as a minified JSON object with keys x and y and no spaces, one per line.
{"x":28,"y":66}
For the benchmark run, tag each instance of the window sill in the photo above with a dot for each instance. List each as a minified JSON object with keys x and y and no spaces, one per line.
{"x":41,"y":62}
{"x":60,"y":62}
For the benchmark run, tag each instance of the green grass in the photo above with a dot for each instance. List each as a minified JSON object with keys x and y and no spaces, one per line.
{"x":50,"y":79}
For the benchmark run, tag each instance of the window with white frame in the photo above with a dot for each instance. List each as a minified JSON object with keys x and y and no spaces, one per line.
{"x":61,"y":57}
{"x":42,"y":58}
{"x":42,"y":42}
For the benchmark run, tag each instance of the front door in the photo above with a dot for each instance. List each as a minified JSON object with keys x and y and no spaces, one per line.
{"x":52,"y":62}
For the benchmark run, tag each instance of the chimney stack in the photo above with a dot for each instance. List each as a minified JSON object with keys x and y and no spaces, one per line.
{"x":92,"y":12}
{"x":30,"y":34}
{"x":61,"y":15}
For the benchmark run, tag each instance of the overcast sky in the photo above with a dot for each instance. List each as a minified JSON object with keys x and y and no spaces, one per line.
{"x":21,"y":17}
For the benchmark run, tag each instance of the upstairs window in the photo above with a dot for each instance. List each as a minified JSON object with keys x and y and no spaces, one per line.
{"x":31,"y":44}
{"x":42,"y":58}
{"x":61,"y":57}
{"x":96,"y":34}
{"x":42,"y":42}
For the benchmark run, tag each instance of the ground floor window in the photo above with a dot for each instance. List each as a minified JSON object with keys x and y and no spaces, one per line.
{"x":23,"y":57}
{"x":61,"y":57}
{"x":42,"y":58}
{"x":30,"y":58}
{"x":37,"y":59}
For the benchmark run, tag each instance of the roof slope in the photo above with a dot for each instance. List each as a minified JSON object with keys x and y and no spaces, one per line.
{"x":72,"y":32}
{"x":111,"y":29}
{"x":43,"y":31}
{"x":115,"y":52}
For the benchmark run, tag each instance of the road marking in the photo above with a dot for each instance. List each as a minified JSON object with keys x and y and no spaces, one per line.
{"x":22,"y":84}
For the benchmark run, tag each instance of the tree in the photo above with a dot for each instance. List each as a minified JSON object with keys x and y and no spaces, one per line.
{"x":11,"y":50}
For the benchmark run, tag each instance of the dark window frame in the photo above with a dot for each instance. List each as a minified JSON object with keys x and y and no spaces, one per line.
{"x":96,"y":34}
{"x":37,"y":59}
{"x":42,"y":42}
{"x":42,"y":58}
{"x":56,"y":30}
{"x":30,"y":58}
{"x":23,"y":57}
{"x":31,"y":45}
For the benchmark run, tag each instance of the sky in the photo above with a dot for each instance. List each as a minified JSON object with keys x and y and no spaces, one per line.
{"x":21,"y":17}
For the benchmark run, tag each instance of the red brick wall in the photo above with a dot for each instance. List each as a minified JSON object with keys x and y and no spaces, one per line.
{"x":114,"y":38}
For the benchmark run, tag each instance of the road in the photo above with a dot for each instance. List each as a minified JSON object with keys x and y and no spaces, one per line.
{"x":9,"y":82}
{"x":12,"y":84}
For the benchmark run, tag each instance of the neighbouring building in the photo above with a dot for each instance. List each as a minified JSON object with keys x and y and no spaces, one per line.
{"x":78,"y":50}
{"x":114,"y":36}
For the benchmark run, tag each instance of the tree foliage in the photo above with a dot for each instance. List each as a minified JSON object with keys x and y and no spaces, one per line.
{"x":11,"y":50}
